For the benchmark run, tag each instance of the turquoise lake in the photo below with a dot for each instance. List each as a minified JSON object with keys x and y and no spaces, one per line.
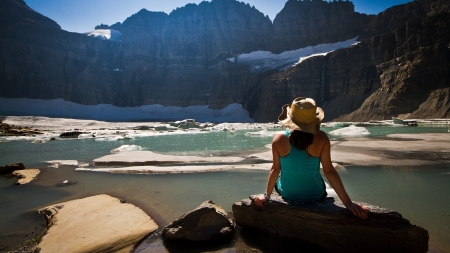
{"x":420,"y":194}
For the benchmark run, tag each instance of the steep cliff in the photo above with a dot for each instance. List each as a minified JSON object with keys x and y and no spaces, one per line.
{"x":39,"y":60}
{"x":400,"y":66}
{"x":308,"y":23}
{"x":413,"y":66}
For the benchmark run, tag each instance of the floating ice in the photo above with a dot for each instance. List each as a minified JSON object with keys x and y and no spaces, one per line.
{"x":115,"y":138}
{"x":38,"y":141}
{"x":262,"y":133}
{"x":335,"y":124}
{"x":17,"y":138}
{"x":126,"y":148}
{"x":83,"y":136}
{"x":57,"y":163}
{"x":350,"y":131}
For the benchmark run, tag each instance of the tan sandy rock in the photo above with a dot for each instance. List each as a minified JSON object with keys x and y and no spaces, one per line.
{"x":99,"y":223}
{"x":26,"y":176}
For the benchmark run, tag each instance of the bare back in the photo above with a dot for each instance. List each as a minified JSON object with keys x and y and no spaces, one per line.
{"x":315,"y":149}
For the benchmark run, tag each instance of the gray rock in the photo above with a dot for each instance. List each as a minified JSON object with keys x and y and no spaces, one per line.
{"x":8,"y":169}
{"x":207,"y":222}
{"x":330,"y":225}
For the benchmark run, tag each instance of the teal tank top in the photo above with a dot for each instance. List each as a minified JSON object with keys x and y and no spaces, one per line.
{"x":300,"y":178}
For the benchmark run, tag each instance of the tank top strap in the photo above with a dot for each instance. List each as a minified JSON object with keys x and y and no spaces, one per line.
{"x":287,"y":132}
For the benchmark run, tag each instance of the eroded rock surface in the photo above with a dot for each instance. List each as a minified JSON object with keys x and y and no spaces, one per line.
{"x":26,"y":176}
{"x":330,"y":225}
{"x":207,"y":222}
{"x":99,"y":223}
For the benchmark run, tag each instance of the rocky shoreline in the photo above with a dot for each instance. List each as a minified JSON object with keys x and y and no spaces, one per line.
{"x":392,"y":150}
{"x":12,"y":130}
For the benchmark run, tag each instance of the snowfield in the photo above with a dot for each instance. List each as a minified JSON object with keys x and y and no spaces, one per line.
{"x":107,"y":112}
{"x":264,"y":60}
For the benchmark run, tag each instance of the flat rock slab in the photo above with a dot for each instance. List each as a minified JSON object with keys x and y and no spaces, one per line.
{"x":99,"y":223}
{"x":141,"y":158}
{"x":160,"y":169}
{"x":331,"y":226}
{"x":25,"y":176}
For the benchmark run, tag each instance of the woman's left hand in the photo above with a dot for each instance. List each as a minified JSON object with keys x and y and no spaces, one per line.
{"x":358,"y":210}
{"x":260,"y":200}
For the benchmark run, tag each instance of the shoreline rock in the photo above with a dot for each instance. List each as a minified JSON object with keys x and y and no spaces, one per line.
{"x":205,"y":223}
{"x":330,"y":225}
{"x":98,"y":223}
{"x":12,"y":130}
{"x":8,"y":169}
{"x":25,"y":176}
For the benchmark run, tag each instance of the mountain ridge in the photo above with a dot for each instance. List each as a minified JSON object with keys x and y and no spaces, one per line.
{"x":180,"y":59}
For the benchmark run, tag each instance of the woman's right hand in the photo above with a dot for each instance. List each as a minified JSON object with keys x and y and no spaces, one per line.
{"x":260,"y":200}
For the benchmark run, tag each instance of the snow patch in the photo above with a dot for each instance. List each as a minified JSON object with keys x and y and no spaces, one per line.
{"x":264,"y":60}
{"x":59,"y":108}
{"x":105,"y":34}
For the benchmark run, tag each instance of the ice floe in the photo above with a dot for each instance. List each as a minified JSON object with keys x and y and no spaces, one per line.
{"x":126,"y":148}
{"x":115,"y":138}
{"x":57,"y":163}
{"x":351,"y":131}
{"x":262,"y":133}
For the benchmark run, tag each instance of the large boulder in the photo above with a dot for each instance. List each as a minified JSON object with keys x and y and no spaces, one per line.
{"x":330,"y":225}
{"x":207,"y":222}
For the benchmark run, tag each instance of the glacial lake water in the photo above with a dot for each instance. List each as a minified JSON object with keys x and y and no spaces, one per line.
{"x":420,"y":194}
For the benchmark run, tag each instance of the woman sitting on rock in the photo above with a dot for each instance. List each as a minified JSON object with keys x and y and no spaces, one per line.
{"x":297,"y":154}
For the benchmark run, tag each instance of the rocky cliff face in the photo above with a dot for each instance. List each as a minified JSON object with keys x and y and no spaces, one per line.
{"x":308,"y":23}
{"x":413,"y":65}
{"x":39,"y":60}
{"x":401,"y":67}
{"x":179,"y":59}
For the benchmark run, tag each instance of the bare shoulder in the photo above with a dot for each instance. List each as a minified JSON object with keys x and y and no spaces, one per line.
{"x":279,"y":136}
{"x":322,"y":137}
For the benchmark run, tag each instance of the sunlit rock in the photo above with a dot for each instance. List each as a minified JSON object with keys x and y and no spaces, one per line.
{"x":25,"y":176}
{"x":99,"y":223}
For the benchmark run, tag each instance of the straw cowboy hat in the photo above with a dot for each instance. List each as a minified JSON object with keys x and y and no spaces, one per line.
{"x":303,"y":115}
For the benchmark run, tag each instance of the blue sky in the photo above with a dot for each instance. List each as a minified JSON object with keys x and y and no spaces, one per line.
{"x":84,"y":15}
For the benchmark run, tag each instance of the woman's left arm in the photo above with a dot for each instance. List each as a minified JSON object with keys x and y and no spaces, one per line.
{"x":335,"y":180}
